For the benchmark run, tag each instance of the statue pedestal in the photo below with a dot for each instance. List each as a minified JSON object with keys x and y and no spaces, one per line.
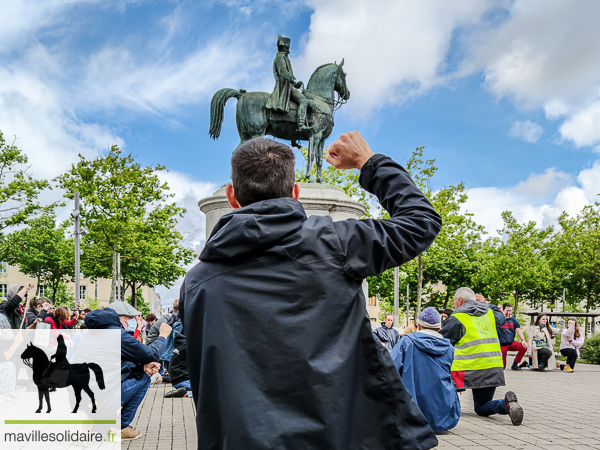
{"x":317,"y":200}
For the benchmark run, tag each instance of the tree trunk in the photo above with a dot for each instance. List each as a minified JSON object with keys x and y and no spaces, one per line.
{"x":516,"y":301}
{"x":134,"y":296}
{"x":113,"y":284}
{"x":447,"y":298}
{"x":37,"y":286}
{"x":419,"y":285}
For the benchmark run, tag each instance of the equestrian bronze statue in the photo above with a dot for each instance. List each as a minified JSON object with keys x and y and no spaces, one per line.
{"x":289,"y":112}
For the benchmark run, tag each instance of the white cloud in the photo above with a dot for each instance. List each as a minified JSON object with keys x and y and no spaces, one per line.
{"x":115,"y":78}
{"x":545,"y":55}
{"x":528,"y":131}
{"x":393,"y":50}
{"x":543,"y":185}
{"x":541,"y":198}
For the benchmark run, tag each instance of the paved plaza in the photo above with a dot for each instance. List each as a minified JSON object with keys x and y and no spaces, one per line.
{"x":562,"y":411}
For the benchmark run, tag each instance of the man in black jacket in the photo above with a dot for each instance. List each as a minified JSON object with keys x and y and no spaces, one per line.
{"x":279,"y":346}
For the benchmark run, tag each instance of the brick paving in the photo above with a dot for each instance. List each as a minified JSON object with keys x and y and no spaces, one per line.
{"x":165,"y":423}
{"x":562,"y":411}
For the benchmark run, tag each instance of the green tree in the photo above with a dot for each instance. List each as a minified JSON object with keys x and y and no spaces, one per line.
{"x":18,"y":189}
{"x":576,"y":256}
{"x":517,"y":264}
{"x":119,"y":199}
{"x":42,"y":251}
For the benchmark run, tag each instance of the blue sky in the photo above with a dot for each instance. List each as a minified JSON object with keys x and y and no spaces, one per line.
{"x":505,"y":95}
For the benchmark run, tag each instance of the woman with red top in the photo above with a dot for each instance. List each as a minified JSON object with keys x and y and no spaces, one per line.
{"x":60,"y":318}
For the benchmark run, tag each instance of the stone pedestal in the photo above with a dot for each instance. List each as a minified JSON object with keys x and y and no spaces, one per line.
{"x":317,"y":199}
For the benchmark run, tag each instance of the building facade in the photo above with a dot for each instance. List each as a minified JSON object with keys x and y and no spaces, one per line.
{"x":98,"y":290}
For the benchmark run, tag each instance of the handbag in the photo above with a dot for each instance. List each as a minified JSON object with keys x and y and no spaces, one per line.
{"x":540,"y":343}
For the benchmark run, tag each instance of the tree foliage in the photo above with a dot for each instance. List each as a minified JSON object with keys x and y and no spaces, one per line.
{"x":42,"y":251}
{"x":516,"y":265}
{"x":18,"y":189}
{"x":126,"y":209}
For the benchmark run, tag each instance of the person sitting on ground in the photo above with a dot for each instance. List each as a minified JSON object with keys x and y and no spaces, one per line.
{"x":428,"y":352}
{"x":175,"y":324}
{"x":473,"y":330}
{"x":571,"y":340}
{"x":59,"y":319}
{"x":138,"y":361}
{"x":155,"y":329}
{"x":8,"y":370}
{"x":180,"y":378}
{"x":150,"y":319}
{"x":12,"y":308}
{"x":409,"y":329}
{"x":386,"y":334}
{"x":35,"y":306}
{"x":445,"y":313}
{"x":506,"y":335}
{"x":540,"y":344}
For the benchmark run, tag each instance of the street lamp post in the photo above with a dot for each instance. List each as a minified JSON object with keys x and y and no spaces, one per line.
{"x":396,"y":276}
{"x":78,"y":252}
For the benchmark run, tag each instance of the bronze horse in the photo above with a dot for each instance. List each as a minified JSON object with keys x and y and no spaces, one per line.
{"x":254,"y":119}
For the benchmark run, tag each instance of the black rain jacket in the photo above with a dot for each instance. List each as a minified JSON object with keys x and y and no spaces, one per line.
{"x":280,"y":350}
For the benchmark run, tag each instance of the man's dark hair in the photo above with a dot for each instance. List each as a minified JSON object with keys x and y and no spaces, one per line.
{"x":262,"y":169}
{"x":504,"y":305}
{"x":87,"y":310}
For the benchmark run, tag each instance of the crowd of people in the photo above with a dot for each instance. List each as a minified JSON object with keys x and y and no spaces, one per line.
{"x":270,"y":338}
{"x":149,"y":347}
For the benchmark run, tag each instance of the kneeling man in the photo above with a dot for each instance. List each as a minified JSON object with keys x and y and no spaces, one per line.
{"x":424,"y":360}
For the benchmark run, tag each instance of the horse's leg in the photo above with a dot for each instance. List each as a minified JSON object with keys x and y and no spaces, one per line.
{"x":311,"y":151}
{"x":319,"y":160}
{"x":91,"y":394}
{"x":77,"y":390}
{"x":47,"y":395}
{"x":40,"y":394}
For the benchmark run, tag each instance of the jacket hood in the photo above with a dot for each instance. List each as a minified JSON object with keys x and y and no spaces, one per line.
{"x":474,"y":308}
{"x":429,"y":344}
{"x":12,"y":290}
{"x":101,"y":319}
{"x":253,"y":229}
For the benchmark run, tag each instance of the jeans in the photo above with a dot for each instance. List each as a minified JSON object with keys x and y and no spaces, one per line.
{"x":132,"y":394}
{"x":571,"y":355}
{"x":514,"y":346}
{"x":485,"y":405}
{"x":185,"y":384}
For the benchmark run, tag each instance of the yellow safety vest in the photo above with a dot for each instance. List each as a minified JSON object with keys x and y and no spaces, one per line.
{"x":479,"y":348}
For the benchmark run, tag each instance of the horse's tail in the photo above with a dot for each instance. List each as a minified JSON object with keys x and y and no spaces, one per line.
{"x":217,"y":106}
{"x":98,"y":372}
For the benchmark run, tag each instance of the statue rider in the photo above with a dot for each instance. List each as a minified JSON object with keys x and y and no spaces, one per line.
{"x":286,"y":86}
{"x":59,"y":358}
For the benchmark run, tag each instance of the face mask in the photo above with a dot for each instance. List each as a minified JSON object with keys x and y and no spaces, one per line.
{"x":131,"y":325}
{"x":508,"y":314}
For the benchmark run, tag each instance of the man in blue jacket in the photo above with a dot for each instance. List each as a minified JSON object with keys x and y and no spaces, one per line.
{"x":138,"y":361}
{"x":423,"y":360}
{"x":280,"y":350}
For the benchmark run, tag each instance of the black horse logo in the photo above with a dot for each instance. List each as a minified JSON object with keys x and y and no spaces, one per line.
{"x":59,"y":374}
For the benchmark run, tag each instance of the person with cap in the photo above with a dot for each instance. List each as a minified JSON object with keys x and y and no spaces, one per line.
{"x":473,"y":330}
{"x":388,"y":335}
{"x":12,"y":308}
{"x":445,"y":313}
{"x":426,"y":351}
{"x":138,"y":361}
